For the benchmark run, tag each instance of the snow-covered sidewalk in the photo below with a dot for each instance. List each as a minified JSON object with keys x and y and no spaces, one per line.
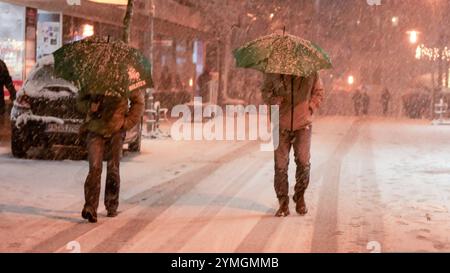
{"x":374,"y":180}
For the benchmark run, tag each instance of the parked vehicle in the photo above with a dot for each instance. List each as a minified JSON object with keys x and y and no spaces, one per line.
{"x":44,"y":115}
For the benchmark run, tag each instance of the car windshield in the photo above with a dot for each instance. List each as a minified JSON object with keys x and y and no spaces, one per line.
{"x":44,"y":74}
{"x":44,"y":79}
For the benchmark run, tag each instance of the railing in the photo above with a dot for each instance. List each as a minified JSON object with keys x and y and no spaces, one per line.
{"x":441,"y":109}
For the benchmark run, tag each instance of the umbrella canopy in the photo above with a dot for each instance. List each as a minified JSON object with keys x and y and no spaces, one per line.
{"x":282,"y":54}
{"x":99,"y":66}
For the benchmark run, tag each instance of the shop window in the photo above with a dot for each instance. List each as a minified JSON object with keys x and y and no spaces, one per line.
{"x":12,"y":38}
{"x":75,"y":29}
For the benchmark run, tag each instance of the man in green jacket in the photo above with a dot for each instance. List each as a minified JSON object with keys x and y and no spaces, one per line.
{"x":108,"y":117}
{"x":298,"y":99}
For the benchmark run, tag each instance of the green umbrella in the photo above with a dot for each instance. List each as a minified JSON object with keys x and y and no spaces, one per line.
{"x":282,"y":54}
{"x":99,"y":66}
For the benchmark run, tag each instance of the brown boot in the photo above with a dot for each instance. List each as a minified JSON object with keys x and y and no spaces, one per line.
{"x":300,"y":204}
{"x":90,"y":216}
{"x":302,"y":177}
{"x":112,"y":213}
{"x":283,"y":211}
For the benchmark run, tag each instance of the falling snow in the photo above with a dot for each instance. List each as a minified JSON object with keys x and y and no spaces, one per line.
{"x":380,"y":141}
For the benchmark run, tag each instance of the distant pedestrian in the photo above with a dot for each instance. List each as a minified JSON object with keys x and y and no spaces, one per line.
{"x":165,"y":80}
{"x":203,"y":84}
{"x":357,"y":102}
{"x":179,"y":85}
{"x":365,"y":100}
{"x":5,"y":81}
{"x":385,"y":99}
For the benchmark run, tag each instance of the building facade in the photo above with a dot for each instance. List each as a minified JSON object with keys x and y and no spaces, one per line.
{"x":168,"y":32}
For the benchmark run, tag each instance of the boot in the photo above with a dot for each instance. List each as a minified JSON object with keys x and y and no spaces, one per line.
{"x":300,"y":204}
{"x":283,"y":211}
{"x":302,"y":176}
{"x":91,"y":217}
{"x":112,"y":213}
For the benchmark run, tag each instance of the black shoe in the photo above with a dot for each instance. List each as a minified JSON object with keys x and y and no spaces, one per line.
{"x":112,"y":213}
{"x":283,"y":211}
{"x":89,"y":216}
{"x":301,"y":206}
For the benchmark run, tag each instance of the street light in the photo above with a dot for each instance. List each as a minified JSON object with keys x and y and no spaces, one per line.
{"x":413,"y":36}
{"x":395,"y":21}
{"x":350,"y":80}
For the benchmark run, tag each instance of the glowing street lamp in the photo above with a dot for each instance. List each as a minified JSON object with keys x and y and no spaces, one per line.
{"x":413,"y":36}
{"x":350,"y":80}
{"x":395,"y":21}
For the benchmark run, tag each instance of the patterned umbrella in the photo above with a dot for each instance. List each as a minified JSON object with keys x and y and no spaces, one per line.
{"x":98,"y":66}
{"x":282,"y":54}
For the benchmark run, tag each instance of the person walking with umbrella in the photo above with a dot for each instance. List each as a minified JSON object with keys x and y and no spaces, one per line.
{"x":291,"y":81}
{"x":298,"y":99}
{"x":108,"y":118}
{"x":112,"y":78}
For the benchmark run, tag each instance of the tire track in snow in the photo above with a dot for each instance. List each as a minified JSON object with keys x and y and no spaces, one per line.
{"x":325,"y":226}
{"x":371,"y":226}
{"x":167,"y":194}
{"x":156,"y":200}
{"x":195,"y":225}
{"x":259,"y":236}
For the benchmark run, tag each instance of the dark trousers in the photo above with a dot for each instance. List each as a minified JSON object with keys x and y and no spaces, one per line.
{"x":99,"y":148}
{"x":357,"y":109}
{"x":300,"y":140}
{"x":385,"y":108}
{"x":365,"y":110}
{"x":2,"y":100}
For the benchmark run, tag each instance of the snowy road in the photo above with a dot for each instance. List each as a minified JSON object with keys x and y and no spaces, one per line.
{"x":381,"y":181}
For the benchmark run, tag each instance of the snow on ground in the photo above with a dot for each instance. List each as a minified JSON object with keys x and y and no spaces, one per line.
{"x":373,"y":180}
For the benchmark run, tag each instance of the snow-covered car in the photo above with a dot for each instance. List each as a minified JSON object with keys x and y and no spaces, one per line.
{"x":44,"y":114}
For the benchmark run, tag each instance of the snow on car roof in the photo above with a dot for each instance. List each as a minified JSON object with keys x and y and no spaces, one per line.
{"x":41,"y":82}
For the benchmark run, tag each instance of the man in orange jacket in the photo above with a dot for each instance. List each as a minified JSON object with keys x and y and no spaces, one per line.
{"x":298,"y":99}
